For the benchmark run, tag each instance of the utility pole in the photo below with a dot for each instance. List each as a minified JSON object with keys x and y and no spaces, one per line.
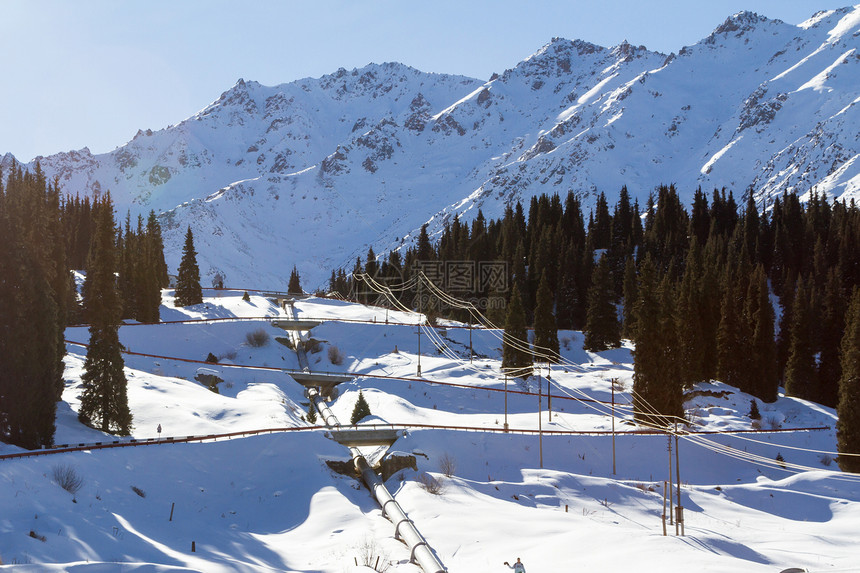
{"x":506,"y":401}
{"x":612,"y":382}
{"x":470,"y":339}
{"x":680,"y":511}
{"x":420,"y":305}
{"x":671,"y":521}
{"x":549,"y":390}
{"x":540,"y":425}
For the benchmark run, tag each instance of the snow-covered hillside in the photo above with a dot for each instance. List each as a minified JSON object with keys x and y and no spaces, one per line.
{"x":270,"y":503}
{"x":329,"y":166}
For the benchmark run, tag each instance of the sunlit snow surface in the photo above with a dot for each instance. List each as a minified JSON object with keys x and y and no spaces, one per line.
{"x":269,"y":502}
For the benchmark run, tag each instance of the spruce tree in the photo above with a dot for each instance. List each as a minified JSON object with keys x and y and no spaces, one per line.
{"x":104,"y":402}
{"x":800,"y":370}
{"x":763,"y":381}
{"x":31,"y":271}
{"x":647,"y":356}
{"x":156,"y":242}
{"x":150,"y":268}
{"x":602,"y":330}
{"x":546,"y":330}
{"x":731,"y":336}
{"x":832,"y":325}
{"x":848,"y":422}
{"x":669,"y":398}
{"x":515,"y":354}
{"x":294,"y":286}
{"x":188,"y":291}
{"x":692,"y":346}
{"x":361,"y":409}
{"x":631,"y":288}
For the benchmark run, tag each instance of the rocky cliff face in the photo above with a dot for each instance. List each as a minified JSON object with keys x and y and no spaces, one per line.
{"x":314,"y":171}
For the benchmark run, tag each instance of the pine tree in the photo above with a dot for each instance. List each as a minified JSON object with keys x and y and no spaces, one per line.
{"x":669,"y":395}
{"x":361,"y":409}
{"x":188,"y":291}
{"x":692,"y":346}
{"x":732,"y":336}
{"x":800,"y":370}
{"x":294,"y":286}
{"x":832,"y":327}
{"x":602,"y":330}
{"x":30,"y":312}
{"x":151,"y":271}
{"x":515,"y":354}
{"x":648,"y":353}
{"x":763,"y":381}
{"x":156,"y":243}
{"x":104,"y":402}
{"x":631,"y":289}
{"x":546,"y":330}
{"x":848,"y":422}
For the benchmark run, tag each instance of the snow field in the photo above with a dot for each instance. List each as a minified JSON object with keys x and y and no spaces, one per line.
{"x":269,"y":503}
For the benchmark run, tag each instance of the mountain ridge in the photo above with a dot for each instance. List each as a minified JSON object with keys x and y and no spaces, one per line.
{"x":314,"y":171}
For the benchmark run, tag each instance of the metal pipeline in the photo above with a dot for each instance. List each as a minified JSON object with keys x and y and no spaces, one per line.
{"x":404,"y":530}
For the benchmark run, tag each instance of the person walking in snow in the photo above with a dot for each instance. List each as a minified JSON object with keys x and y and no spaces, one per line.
{"x":518,"y":567}
{"x":159,"y":430}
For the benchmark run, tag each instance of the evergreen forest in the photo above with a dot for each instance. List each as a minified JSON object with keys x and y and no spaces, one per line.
{"x":753,"y":295}
{"x":44,"y":236}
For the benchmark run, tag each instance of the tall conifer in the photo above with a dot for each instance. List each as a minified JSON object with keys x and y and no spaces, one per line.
{"x":602,"y":330}
{"x":546,"y":330}
{"x":848,"y":421}
{"x":648,"y":353}
{"x":800,"y":370}
{"x":515,"y":354}
{"x":188,"y":289}
{"x":763,"y":382}
{"x":295,"y":285}
{"x":104,"y":402}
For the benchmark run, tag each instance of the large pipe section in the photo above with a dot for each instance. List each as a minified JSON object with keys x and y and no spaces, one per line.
{"x":404,"y":530}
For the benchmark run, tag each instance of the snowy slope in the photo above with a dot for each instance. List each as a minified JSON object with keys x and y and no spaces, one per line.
{"x":312,"y":172}
{"x":269,"y":503}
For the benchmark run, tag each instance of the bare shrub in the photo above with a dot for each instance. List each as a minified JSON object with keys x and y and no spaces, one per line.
{"x":771,"y":422}
{"x":371,"y":555}
{"x":313,"y":345}
{"x":447,"y":465}
{"x":68,"y":478}
{"x":644,"y":487}
{"x":335,"y":356}
{"x":257,"y":338}
{"x":138,"y":491}
{"x":430,"y":484}
{"x":228,"y":354}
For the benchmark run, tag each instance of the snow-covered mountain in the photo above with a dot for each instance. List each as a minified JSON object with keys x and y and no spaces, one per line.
{"x":312,"y":172}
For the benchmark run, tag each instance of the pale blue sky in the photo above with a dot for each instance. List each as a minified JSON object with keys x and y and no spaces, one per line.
{"x":93,"y":72}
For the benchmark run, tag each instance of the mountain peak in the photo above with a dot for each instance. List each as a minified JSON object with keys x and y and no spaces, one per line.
{"x":743,"y":21}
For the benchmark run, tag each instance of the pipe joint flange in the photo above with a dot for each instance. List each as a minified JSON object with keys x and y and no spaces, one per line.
{"x":397,"y":527}
{"x":416,"y":546}
{"x":385,"y":511}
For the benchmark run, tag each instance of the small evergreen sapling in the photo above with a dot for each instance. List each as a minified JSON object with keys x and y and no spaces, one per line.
{"x":754,"y":413}
{"x":361,"y":409}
